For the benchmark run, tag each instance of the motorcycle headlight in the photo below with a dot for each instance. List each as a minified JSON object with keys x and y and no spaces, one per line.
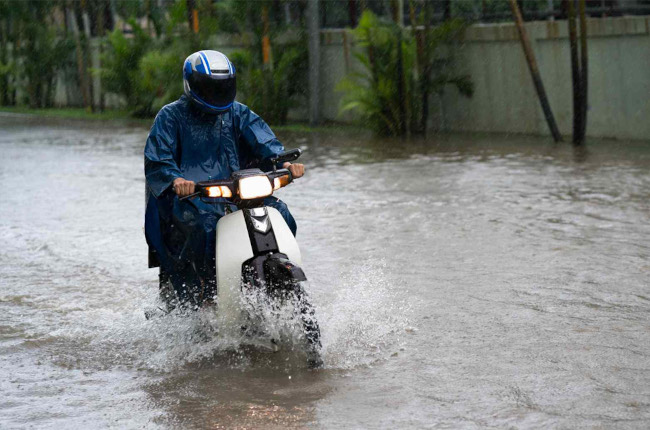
{"x":255,"y":187}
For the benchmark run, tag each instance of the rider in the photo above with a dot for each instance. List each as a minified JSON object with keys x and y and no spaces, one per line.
{"x":203,"y":135}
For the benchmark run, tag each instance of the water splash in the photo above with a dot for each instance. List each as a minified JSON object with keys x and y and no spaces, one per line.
{"x":360,"y":324}
{"x":363,"y":321}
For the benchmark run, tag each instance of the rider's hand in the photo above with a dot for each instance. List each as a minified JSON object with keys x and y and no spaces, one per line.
{"x":183,"y":187}
{"x":297,"y":170}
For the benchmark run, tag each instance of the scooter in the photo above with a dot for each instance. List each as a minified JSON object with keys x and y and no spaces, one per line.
{"x":257,"y":256}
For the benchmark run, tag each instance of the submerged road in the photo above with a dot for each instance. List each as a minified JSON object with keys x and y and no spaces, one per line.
{"x":463,"y":282}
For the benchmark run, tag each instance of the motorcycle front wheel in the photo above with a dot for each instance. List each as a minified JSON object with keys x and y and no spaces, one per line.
{"x":305,"y":313}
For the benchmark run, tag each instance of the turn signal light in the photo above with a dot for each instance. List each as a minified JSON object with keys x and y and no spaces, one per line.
{"x":281,"y":181}
{"x":219,"y":191}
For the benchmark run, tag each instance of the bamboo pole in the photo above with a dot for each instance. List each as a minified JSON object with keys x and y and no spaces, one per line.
{"x":534,"y":72}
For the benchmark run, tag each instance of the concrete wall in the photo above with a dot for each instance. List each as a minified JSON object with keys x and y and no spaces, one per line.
{"x":505,"y":99}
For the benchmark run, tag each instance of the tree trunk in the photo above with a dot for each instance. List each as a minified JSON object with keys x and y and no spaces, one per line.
{"x":80,"y":58}
{"x":88,"y":55}
{"x":446,"y":14}
{"x":101,"y":23}
{"x":192,"y":16}
{"x":111,"y":5}
{"x":266,"y":39}
{"x":314,"y":61}
{"x":33,"y":88}
{"x":575,"y":72}
{"x":398,"y":17}
{"x":267,"y":63}
{"x":583,"y":70}
{"x":534,"y":72}
{"x":352,"y":12}
{"x":14,"y":55}
{"x":397,"y":10}
{"x":426,"y":67}
{"x":419,"y":61}
{"x":4,"y":79}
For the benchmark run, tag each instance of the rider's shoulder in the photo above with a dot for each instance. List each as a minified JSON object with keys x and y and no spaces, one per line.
{"x":173,"y":109}
{"x":240,"y":108}
{"x":244,"y":112}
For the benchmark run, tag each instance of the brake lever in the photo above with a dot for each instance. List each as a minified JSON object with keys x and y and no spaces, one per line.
{"x":189,"y":196}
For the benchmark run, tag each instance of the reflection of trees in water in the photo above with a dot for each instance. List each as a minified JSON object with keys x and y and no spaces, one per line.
{"x":580,"y":153}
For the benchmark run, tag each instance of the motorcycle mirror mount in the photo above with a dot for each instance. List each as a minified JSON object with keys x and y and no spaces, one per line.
{"x":286,"y":156}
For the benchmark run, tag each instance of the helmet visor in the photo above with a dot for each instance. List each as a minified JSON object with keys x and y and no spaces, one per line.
{"x":216,"y":90}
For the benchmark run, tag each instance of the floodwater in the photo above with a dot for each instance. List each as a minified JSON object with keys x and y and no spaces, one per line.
{"x":463,"y":282}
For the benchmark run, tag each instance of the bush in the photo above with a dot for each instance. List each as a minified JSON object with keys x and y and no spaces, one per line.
{"x":272,"y":91}
{"x":146,"y":71}
{"x":39,"y":53}
{"x":269,"y":89}
{"x":120,"y":68}
{"x":160,"y":77}
{"x":391,"y":93}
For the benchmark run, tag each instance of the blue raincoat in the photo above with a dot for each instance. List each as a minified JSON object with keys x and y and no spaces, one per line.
{"x":185,"y":142}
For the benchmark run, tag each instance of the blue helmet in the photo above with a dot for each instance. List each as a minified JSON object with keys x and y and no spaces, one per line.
{"x":209,"y":80}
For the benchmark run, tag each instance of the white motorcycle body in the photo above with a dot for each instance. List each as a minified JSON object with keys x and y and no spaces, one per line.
{"x":239,"y":241}
{"x":255,"y":253}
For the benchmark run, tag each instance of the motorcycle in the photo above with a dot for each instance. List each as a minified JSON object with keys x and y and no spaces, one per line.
{"x":257,"y":256}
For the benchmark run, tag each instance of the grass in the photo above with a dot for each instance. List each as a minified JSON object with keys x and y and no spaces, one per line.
{"x":116,"y":115}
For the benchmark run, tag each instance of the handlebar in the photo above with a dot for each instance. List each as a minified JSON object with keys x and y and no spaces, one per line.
{"x":286,"y":156}
{"x":283,"y":175}
{"x":278,"y":177}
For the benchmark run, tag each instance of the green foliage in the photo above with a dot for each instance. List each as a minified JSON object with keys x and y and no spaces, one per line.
{"x":145,"y":71}
{"x":7,"y":71}
{"x":144,"y":67}
{"x":374,"y":92}
{"x":160,"y":72}
{"x":43,"y":54}
{"x":271,"y":91}
{"x":120,"y":68}
{"x":40,"y":51}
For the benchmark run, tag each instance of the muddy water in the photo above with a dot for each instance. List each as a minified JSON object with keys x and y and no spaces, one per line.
{"x":461,"y":282}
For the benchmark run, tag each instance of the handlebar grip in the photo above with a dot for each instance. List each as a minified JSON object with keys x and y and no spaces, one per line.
{"x":290,"y":155}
